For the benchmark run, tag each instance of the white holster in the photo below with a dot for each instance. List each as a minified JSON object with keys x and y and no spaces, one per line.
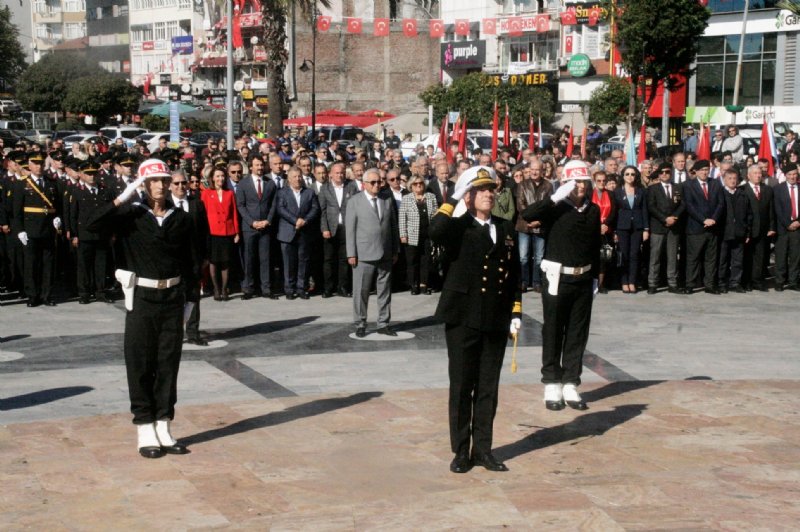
{"x":128,"y":281}
{"x":553,"y":272}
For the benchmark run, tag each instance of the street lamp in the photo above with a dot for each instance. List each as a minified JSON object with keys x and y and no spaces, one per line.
{"x":305,"y":68}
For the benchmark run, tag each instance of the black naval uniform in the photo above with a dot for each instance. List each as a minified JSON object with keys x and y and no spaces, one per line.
{"x":479,"y":298}
{"x":34,"y":214}
{"x":573,"y":240}
{"x":154,"y":328}
{"x":93,"y":247}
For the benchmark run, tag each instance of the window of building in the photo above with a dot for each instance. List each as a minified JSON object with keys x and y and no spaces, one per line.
{"x":185,"y":4}
{"x":535,"y":49}
{"x":728,"y":6}
{"x":521,"y":6}
{"x":74,"y":30}
{"x":74,"y":6}
{"x":716,"y":70}
{"x":141,"y":32}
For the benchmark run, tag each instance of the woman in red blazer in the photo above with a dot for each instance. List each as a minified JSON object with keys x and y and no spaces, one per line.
{"x":223,"y":224}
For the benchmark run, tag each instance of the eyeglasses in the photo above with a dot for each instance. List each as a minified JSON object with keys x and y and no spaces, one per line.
{"x":665,"y":171}
{"x":417,"y":184}
{"x":599,"y":181}
{"x":630,"y":173}
{"x":371,"y":182}
{"x":392,"y":179}
{"x":194,"y":182}
{"x":179,"y":183}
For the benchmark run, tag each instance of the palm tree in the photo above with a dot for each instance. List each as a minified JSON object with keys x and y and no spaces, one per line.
{"x":275,"y":15}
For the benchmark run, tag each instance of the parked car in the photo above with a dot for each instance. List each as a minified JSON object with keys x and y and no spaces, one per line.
{"x":82,"y":137}
{"x":9,"y":107}
{"x":345,"y":135}
{"x":62,"y":134}
{"x":10,"y":138}
{"x":126,"y":133}
{"x":408,"y":148}
{"x":15,"y":125}
{"x":152,"y":139}
{"x":38,"y":135}
{"x":199,"y":140}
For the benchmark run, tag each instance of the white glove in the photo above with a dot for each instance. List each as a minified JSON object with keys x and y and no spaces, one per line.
{"x":130,"y":190}
{"x":595,"y":287}
{"x":463,"y":185}
{"x":57,"y":223}
{"x":23,"y":237}
{"x":563,"y":191}
{"x":516,"y":325}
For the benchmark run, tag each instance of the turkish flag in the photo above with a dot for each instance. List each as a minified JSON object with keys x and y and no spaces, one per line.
{"x":570,"y":144}
{"x":515,"y":26}
{"x":495,"y":127}
{"x":490,"y":26}
{"x":765,"y":147}
{"x":462,"y":27}
{"x":353,"y":25}
{"x":542,"y":23}
{"x":436,"y":28}
{"x":641,"y":154}
{"x":568,"y":18}
{"x":596,"y":12}
{"x":381,"y":27}
{"x":410,"y":27}
{"x":323,"y":24}
{"x":568,"y":44}
{"x":593,"y":20}
{"x":462,"y":138}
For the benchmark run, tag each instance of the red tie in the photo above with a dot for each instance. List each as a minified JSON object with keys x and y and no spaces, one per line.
{"x":705,"y":191}
{"x":794,"y":202}
{"x":444,"y":193}
{"x":758,"y":193}
{"x":259,"y":187}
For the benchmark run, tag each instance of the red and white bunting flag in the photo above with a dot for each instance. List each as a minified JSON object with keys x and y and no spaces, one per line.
{"x":353,"y":25}
{"x":568,"y":44}
{"x":542,"y":23}
{"x":436,"y":28}
{"x":568,"y":18}
{"x":515,"y":26}
{"x":323,"y":24}
{"x":410,"y":27}
{"x":381,"y":27}
{"x":489,"y":26}
{"x":462,"y":27}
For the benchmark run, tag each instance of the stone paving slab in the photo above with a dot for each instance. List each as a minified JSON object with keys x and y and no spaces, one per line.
{"x":648,"y":455}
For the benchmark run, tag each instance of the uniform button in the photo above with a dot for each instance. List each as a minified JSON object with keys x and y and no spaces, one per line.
{"x":499,"y":269}
{"x":483,"y":290}
{"x":485,"y":267}
{"x":501,"y":281}
{"x":484,"y":279}
{"x":487,"y":256}
{"x":499,"y":291}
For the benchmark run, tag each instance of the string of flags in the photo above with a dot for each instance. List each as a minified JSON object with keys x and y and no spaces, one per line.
{"x":514,"y":26}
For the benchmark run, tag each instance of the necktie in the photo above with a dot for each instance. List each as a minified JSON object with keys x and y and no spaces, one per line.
{"x":375,"y":207}
{"x":487,"y":228}
{"x":793,"y":197}
{"x":758,"y":192}
{"x":705,"y":190}
{"x":669,"y":191}
{"x":258,"y":181}
{"x":444,"y":193}
{"x":94,"y":192}
{"x":180,"y":204}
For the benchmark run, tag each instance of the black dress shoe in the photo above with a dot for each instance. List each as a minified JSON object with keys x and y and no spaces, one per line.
{"x":428,"y":291}
{"x":151,"y":452}
{"x":554,"y":405}
{"x":50,"y":303}
{"x":713,"y":291}
{"x":674,"y":290}
{"x":178,"y":448}
{"x":739,"y":290}
{"x":688,"y":291}
{"x":326,"y":295}
{"x":272,"y":296}
{"x":723,"y":290}
{"x":778,"y":288}
{"x":361,"y":332}
{"x":577,"y":405}
{"x":197,"y":341}
{"x":489,"y":462}
{"x":32,"y":302}
{"x":415,"y":291}
{"x":794,"y":287}
{"x":291,"y":296}
{"x":84,"y":300}
{"x":247,"y":296}
{"x":652,"y":291}
{"x":760,"y":287}
{"x":345,"y":293}
{"x":303,"y":295}
{"x":386,"y":331}
{"x":461,"y":463}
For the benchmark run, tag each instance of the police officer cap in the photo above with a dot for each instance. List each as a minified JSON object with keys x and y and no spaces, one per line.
{"x":88,"y":167}
{"x":482,"y":177}
{"x":220,"y":162}
{"x":36,"y":157}
{"x":125,"y":159}
{"x":699,"y":165}
{"x":18,"y":156}
{"x":103,"y":157}
{"x":58,"y":155}
{"x":789,"y":167}
{"x":72,"y":163}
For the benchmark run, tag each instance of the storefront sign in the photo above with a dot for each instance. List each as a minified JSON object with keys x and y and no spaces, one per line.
{"x":161,"y":45}
{"x":165,"y":79}
{"x":579,"y":65}
{"x":148,"y":45}
{"x":259,"y":54}
{"x":247,"y":94}
{"x":463,"y":55}
{"x":182,"y":45}
{"x":262,"y":101}
{"x":530,"y":79}
{"x":538,"y":23}
{"x":586,"y":13}
{"x":570,"y":108}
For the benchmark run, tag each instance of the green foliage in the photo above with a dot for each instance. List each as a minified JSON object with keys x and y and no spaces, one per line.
{"x":474,"y":97}
{"x":12,"y":57}
{"x":71,"y":124}
{"x":101,"y":96}
{"x":155,"y":122}
{"x":609,"y":102}
{"x":44,"y":84}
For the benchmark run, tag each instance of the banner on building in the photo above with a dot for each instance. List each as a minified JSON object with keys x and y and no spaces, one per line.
{"x":463,"y":55}
{"x":182,"y":45}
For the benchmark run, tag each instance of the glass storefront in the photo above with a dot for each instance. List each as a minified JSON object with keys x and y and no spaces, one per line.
{"x":728,"y":6}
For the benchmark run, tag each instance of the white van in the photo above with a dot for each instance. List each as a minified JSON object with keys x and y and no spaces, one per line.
{"x":127,"y":133}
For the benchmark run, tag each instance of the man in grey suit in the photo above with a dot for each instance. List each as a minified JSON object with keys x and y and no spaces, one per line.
{"x":373,"y":243}
{"x":255,"y":201}
{"x":333,"y":198}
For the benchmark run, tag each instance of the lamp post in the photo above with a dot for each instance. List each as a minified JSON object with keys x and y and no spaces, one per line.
{"x":305,"y":68}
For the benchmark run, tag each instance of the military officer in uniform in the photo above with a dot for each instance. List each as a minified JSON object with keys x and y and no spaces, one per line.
{"x":480,"y":305}
{"x":93,"y":247}
{"x":14,"y":248}
{"x":37,"y":214}
{"x":571,"y":264}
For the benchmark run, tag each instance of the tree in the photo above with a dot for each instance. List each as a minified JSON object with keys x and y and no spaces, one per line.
{"x":275,"y":14}
{"x":101,"y":96}
{"x":43,"y":85}
{"x":474,"y":97}
{"x":657,"y":40}
{"x":12,"y":58}
{"x":609,"y":102}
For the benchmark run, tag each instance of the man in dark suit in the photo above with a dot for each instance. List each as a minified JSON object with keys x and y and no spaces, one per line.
{"x":787,"y":220}
{"x":373,"y":244}
{"x":92,"y":247}
{"x":179,"y":188}
{"x":441,"y":187}
{"x":37,"y":218}
{"x":333,"y":198}
{"x":255,"y":201}
{"x":480,"y":304}
{"x":665,"y":207}
{"x":756,"y":250}
{"x":705,"y":209}
{"x":738,"y":221}
{"x":297,"y":212}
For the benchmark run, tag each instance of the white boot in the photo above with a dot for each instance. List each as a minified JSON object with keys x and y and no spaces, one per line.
{"x":168,"y":443}
{"x":553,"y":397}
{"x":573,"y":398}
{"x":148,"y":444}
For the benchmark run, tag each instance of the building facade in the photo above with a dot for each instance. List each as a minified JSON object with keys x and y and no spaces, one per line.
{"x":55,"y":21}
{"x":108,"y":33}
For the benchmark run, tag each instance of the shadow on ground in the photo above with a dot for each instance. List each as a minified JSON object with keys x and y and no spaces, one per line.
{"x":42,"y":397}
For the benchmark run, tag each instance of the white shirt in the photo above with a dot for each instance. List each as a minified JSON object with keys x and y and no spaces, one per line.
{"x":339,"y":191}
{"x":181,"y":203}
{"x":372,"y":200}
{"x":297,"y":196}
{"x":278,"y":180}
{"x":680,"y":176}
{"x":256,"y":179}
{"x":668,"y":190}
{"x":492,"y":228}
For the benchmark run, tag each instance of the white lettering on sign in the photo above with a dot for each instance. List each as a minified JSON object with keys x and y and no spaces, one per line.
{"x":465,"y":52}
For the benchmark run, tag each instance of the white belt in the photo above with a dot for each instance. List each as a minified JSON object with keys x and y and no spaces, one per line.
{"x":578,"y":270}
{"x":159,"y":284}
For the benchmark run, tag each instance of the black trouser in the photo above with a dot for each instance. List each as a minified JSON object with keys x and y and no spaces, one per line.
{"x":92,"y":262}
{"x":756,"y":254}
{"x":315,"y":258}
{"x":418,"y":260}
{"x":295,"y":264}
{"x":68,"y":259}
{"x":39,"y":262}
{"x":335,"y":267}
{"x":731,"y":257}
{"x":787,"y":259}
{"x":5,"y":270}
{"x":629,"y":243}
{"x":474,"y":362}
{"x":701,"y":247}
{"x":153,"y":337}
{"x":565,"y":331}
{"x":193,"y":323}
{"x":16,"y":262}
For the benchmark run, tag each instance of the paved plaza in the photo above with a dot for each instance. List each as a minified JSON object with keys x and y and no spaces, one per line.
{"x":293,"y":424}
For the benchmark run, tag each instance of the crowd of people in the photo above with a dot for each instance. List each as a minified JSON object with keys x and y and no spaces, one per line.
{"x":271,"y":215}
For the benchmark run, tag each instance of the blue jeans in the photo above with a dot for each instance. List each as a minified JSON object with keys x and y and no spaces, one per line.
{"x":524,"y":242}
